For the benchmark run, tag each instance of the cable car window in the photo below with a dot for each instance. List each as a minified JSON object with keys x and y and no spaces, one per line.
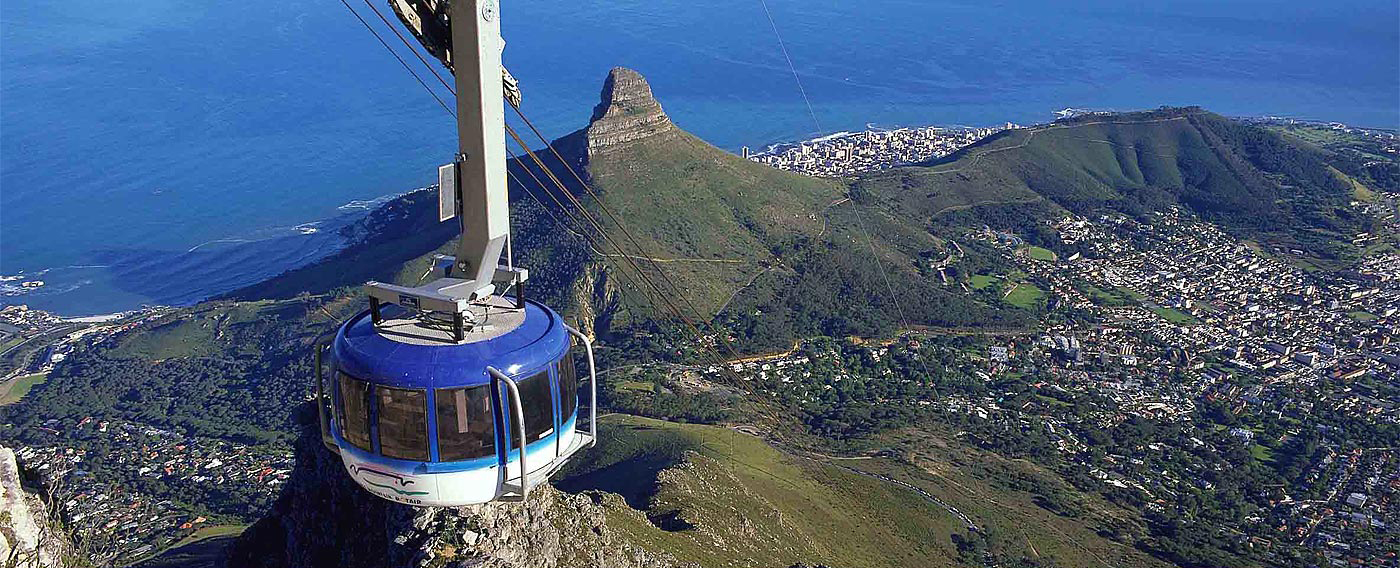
{"x":403,"y":423}
{"x":537,"y":401}
{"x":568,"y":387}
{"x":354,"y":411}
{"x":466,"y":428}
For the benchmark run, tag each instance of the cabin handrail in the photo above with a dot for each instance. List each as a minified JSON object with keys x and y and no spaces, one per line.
{"x":319,"y":349}
{"x":592,"y":385}
{"x":518,"y":417}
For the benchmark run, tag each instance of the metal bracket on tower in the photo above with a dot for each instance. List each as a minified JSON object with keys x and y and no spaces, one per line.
{"x":466,"y":36}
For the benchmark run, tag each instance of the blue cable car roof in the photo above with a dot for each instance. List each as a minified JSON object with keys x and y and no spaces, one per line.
{"x":364,"y":353}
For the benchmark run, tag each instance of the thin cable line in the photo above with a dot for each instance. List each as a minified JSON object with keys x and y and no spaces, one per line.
{"x":400,"y":59}
{"x":903,"y":321}
{"x":548,"y":210}
{"x":860,"y":219}
{"x":579,"y":204}
{"x":410,"y":47}
{"x":581,"y":230}
{"x":576,"y":228}
{"x":582,"y":210}
{"x":796,"y":77}
{"x":715,"y":358}
{"x":597,"y":199}
{"x":674,"y":289}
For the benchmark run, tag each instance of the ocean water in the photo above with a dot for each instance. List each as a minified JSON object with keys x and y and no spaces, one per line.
{"x":154,"y":151}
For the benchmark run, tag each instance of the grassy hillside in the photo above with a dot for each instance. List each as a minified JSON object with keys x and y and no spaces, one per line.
{"x":713,"y":220}
{"x":1027,"y":510}
{"x":1246,"y":178}
{"x":720,"y":497}
{"x":723,"y":498}
{"x":13,"y":391}
{"x":868,"y":277}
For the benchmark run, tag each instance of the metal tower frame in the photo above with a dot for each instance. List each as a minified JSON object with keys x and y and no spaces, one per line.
{"x":466,"y":36}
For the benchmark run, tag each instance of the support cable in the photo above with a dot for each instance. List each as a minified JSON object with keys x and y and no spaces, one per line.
{"x":674,"y":289}
{"x":651,"y":291}
{"x":903,"y":322}
{"x":796,"y":77}
{"x":399,"y":59}
{"x":588,"y":216}
{"x":550,"y":211}
{"x":410,"y":47}
{"x":576,"y":228}
{"x":577,"y":203}
{"x":860,"y":219}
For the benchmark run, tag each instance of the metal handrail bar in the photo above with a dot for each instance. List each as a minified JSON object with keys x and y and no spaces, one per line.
{"x":320,"y":347}
{"x":519,"y":419}
{"x":592,"y":385}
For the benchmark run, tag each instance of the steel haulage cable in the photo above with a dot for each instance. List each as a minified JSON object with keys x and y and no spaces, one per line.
{"x":399,"y":59}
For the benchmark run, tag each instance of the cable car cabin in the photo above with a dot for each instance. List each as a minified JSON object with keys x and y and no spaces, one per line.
{"x":425,"y":414}
{"x":448,"y":393}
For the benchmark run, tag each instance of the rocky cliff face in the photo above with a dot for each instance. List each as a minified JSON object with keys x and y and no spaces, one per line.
{"x":628,"y":113}
{"x":596,"y":302}
{"x":27,"y":539}
{"x":324,"y":520}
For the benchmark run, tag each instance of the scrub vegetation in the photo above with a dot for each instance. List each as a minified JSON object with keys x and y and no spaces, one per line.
{"x":719,"y":497}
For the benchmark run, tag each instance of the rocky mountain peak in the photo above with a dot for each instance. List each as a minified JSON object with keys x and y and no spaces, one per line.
{"x":627,"y":113}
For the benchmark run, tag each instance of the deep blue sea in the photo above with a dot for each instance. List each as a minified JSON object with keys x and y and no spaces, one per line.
{"x":155,"y":151}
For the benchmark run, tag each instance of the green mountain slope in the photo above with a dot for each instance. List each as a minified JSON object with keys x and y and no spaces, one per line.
{"x":719,"y":497}
{"x":777,"y":255}
{"x":681,"y":209}
{"x":710,"y":219}
{"x":1244,"y":177}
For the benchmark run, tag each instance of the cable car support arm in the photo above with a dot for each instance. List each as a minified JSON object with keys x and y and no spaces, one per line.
{"x":466,"y":36}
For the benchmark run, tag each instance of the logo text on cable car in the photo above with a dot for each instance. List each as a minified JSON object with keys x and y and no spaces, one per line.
{"x":387,"y":481}
{"x":488,"y":10}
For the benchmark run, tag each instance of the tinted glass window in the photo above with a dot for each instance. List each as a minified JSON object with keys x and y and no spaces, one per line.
{"x":568,"y":386}
{"x":464,"y":422}
{"x":354,"y":411}
{"x":403,"y":423}
{"x":537,"y":400}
